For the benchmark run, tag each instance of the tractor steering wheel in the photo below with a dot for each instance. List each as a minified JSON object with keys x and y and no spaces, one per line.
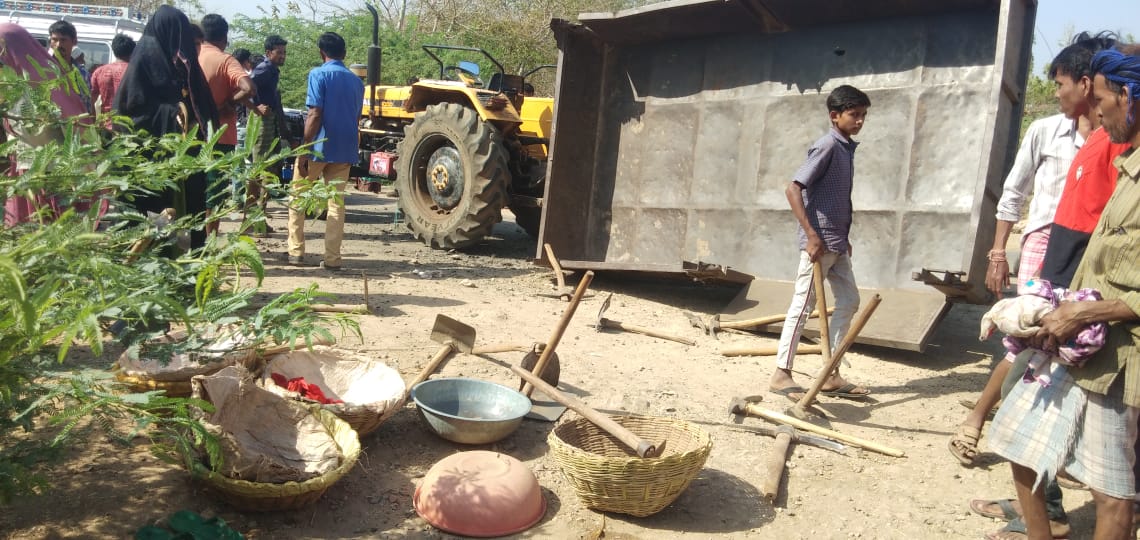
{"x":456,"y":73}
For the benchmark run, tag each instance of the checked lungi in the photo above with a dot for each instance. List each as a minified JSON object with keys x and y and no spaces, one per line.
{"x":1064,"y":427}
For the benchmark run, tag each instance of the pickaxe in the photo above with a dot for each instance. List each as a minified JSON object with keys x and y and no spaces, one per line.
{"x":713,"y":324}
{"x":604,"y":323}
{"x":740,"y":406}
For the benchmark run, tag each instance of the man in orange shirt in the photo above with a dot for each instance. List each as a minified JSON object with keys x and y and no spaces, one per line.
{"x":230,"y":86}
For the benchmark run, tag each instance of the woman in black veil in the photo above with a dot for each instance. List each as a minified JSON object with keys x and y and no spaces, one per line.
{"x":164,"y":91}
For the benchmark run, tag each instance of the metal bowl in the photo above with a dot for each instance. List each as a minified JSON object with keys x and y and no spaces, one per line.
{"x":470,"y":411}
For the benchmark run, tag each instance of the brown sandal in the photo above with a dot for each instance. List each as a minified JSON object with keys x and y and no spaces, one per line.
{"x":964,"y":444}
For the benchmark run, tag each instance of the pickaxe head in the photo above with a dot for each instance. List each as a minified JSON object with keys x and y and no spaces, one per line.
{"x":599,"y":325}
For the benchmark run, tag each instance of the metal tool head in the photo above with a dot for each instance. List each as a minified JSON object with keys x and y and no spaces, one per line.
{"x":791,"y":431}
{"x":737,"y":405}
{"x":452,"y":332}
{"x":599,"y":325}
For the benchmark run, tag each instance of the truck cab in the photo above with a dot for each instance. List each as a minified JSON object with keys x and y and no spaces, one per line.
{"x":96,"y":26}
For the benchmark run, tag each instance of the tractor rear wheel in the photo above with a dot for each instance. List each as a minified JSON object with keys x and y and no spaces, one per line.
{"x":452,"y":176}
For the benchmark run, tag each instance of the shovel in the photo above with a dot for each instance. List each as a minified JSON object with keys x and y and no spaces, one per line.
{"x":455,"y":336}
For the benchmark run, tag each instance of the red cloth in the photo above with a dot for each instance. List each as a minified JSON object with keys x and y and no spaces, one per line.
{"x":306,"y":389}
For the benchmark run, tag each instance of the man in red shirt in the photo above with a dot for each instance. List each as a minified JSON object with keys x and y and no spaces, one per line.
{"x":105,"y":79}
{"x":229,"y":85}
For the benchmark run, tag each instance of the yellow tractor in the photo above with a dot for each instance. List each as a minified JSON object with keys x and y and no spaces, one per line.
{"x":458,"y":149}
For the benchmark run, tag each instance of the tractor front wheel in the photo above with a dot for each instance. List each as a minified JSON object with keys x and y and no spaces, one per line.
{"x":452,"y":176}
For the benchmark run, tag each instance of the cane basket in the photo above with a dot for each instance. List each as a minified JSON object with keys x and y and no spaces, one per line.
{"x":268,"y":497}
{"x":142,"y":374}
{"x":609,"y":476}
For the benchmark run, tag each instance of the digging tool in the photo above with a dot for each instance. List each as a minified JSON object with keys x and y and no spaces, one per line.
{"x":160,"y":221}
{"x":770,"y":350}
{"x":643,"y":447}
{"x":604,"y":323}
{"x":740,"y":406}
{"x":455,"y":336}
{"x":361,"y":309}
{"x":799,"y":409}
{"x":564,"y":292}
{"x":777,"y":461}
{"x":821,"y":306}
{"x":544,"y":358}
{"x":713,"y":324}
{"x":800,"y":438}
{"x":533,"y":351}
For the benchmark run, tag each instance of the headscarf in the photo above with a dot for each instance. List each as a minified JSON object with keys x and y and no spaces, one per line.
{"x":21,"y":52}
{"x":1121,"y":69}
{"x":164,"y":63}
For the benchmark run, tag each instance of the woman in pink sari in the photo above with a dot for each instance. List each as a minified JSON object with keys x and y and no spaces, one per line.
{"x":20,"y":52}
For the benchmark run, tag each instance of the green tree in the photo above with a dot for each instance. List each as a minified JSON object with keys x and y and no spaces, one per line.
{"x":63,"y":280}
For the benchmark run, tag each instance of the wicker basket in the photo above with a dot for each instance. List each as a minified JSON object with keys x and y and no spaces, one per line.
{"x":143,"y":375}
{"x":372,"y":392}
{"x":265,"y":497}
{"x":610,"y":477}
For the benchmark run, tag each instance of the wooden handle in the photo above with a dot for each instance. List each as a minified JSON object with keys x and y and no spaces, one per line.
{"x":821,"y":306}
{"x":285,"y":347}
{"x":781,"y":418}
{"x":558,"y":276}
{"x":643,"y":447}
{"x":340,"y":308}
{"x":765,"y":321}
{"x":610,"y":323}
{"x":775,"y":466}
{"x":500,"y":348}
{"x":830,"y":365}
{"x":771,"y":350}
{"x":432,"y":365}
{"x":568,"y":314}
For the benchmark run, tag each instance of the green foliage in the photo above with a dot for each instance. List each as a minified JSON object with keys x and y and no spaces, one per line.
{"x":1040,"y":101}
{"x":63,"y":280}
{"x":516,"y":33}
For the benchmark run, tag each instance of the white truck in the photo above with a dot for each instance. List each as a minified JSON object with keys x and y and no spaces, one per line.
{"x":96,"y":26}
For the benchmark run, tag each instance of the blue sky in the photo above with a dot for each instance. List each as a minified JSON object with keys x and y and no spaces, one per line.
{"x":1056,"y":19}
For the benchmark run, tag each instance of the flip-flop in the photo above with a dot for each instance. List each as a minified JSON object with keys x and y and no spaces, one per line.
{"x":845,"y":391}
{"x":978,"y":506}
{"x":1016,"y":526}
{"x":789,"y":390}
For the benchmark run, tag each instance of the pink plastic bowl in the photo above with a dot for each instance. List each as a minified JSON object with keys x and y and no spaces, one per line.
{"x":480,"y":493}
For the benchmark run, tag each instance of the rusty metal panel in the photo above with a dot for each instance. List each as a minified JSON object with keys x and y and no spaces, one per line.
{"x":678,"y":126}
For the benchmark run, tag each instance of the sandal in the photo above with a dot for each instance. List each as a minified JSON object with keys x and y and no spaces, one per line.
{"x":1016,"y":529}
{"x":964,"y":444}
{"x":1006,"y":511}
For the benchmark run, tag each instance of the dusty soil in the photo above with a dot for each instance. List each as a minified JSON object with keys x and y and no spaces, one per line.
{"x":107,"y":491}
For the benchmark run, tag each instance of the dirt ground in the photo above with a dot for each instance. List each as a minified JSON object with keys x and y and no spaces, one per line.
{"x":107,"y":491}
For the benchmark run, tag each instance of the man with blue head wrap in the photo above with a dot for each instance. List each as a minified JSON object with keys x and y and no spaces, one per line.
{"x":1085,"y":422}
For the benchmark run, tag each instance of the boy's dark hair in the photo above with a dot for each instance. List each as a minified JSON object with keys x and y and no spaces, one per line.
{"x":215,"y":29}
{"x":273,"y":41}
{"x":242,"y":55}
{"x":123,"y":45}
{"x":1073,"y":61}
{"x":257,"y":59}
{"x":196,"y":32}
{"x":64,"y":29}
{"x":845,"y":98}
{"x":332,"y":45}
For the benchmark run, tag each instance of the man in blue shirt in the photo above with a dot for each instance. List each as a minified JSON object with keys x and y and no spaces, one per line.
{"x":334,"y":100}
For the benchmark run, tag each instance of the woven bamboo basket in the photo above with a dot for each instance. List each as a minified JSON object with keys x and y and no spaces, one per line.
{"x":608,"y":476}
{"x":143,"y":375}
{"x":372,"y":391}
{"x":266,"y":497}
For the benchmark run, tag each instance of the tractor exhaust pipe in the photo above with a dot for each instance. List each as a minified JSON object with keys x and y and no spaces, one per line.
{"x":374,"y":58}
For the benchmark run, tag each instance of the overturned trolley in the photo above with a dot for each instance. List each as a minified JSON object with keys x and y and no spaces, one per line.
{"x":679,"y":125}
